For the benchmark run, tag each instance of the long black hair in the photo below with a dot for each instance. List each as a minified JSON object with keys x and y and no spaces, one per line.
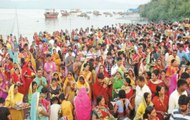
{"x":122,"y":95}
{"x":148,"y":111}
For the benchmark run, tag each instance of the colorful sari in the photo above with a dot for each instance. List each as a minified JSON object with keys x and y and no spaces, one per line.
{"x":173,"y":83}
{"x":67,"y":108}
{"x":82,"y":105}
{"x":16,"y":78}
{"x":27,"y":77}
{"x":102,"y":113}
{"x":29,"y":57}
{"x":56,"y":60}
{"x":141,"y":109}
{"x":171,"y":70}
{"x":11,"y":100}
{"x":161,"y":107}
{"x":68,"y":89}
{"x":99,"y":90}
{"x":36,"y":107}
{"x":117,"y":84}
{"x":79,"y":85}
{"x":49,"y":68}
{"x":88,"y":77}
{"x":153,"y":84}
{"x":4,"y":85}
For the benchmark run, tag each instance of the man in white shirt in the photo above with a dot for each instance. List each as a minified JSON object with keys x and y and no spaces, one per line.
{"x":141,"y":88}
{"x":52,"y":41}
{"x":57,"y":48}
{"x":173,"y":99}
{"x":54,"y":109}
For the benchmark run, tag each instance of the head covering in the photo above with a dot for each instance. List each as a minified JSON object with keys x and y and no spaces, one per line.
{"x":82,"y":105}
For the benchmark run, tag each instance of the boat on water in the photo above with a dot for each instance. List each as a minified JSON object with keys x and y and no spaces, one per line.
{"x":82,"y":15}
{"x":74,"y":11}
{"x":51,"y":14}
{"x":107,"y":14}
{"x":64,"y":13}
{"x":97,"y":13}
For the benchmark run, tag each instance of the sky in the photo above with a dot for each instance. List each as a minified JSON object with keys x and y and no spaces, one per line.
{"x":72,"y":4}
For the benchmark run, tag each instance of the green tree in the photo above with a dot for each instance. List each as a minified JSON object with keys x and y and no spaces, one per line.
{"x":166,"y":10}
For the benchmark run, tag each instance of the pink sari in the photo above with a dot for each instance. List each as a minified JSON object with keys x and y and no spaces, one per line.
{"x":49,"y":68}
{"x":173,"y":83}
{"x":82,"y":105}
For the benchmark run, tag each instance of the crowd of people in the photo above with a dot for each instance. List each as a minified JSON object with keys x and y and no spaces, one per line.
{"x":123,"y":71}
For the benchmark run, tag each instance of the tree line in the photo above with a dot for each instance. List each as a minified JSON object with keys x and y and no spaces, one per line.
{"x":165,"y":10}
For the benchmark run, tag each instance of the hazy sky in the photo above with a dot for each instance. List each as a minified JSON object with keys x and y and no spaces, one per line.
{"x":72,"y":4}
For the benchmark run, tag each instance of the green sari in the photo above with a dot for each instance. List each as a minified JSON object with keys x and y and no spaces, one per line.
{"x":117,"y":84}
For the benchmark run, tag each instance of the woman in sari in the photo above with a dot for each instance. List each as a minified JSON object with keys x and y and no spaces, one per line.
{"x":128,"y":88}
{"x":86,"y":73}
{"x":101,"y":111}
{"x":154,"y":81}
{"x":49,"y":68}
{"x":172,"y":69}
{"x":3,"y":87}
{"x":131,"y":76}
{"x":82,"y":105}
{"x":56,"y":58}
{"x":100,"y":88}
{"x":81,"y":83}
{"x":146,"y":101}
{"x":32,"y":90}
{"x":28,"y":75}
{"x":69,"y":87}
{"x":103,"y":70}
{"x":117,"y":84}
{"x":38,"y":110}
{"x":166,"y":80}
{"x":14,"y":99}
{"x":16,"y":76}
{"x":54,"y":88}
{"x":159,"y":66}
{"x":87,"y":76}
{"x":28,"y":57}
{"x":160,"y":101}
{"x":66,"y":107}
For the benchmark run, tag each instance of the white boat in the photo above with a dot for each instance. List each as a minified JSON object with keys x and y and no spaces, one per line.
{"x":64,"y":13}
{"x":97,"y":13}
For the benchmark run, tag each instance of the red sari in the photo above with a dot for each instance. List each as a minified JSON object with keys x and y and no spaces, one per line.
{"x":152,"y":85}
{"x":8,"y":69}
{"x":27,"y":78}
{"x":15,"y":78}
{"x":109,"y":87}
{"x":160,"y":107}
{"x":99,"y":90}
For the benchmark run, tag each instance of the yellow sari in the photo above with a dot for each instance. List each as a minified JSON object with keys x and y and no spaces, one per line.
{"x":68,"y":89}
{"x":56,"y":59}
{"x":66,"y":109}
{"x":11,"y":101}
{"x":79,"y":85}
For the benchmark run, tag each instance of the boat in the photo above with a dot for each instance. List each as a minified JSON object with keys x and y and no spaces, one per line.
{"x":51,"y":14}
{"x":97,"y":13}
{"x":82,"y":15}
{"x":107,"y":14}
{"x":64,"y":13}
{"x":74,"y":11}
